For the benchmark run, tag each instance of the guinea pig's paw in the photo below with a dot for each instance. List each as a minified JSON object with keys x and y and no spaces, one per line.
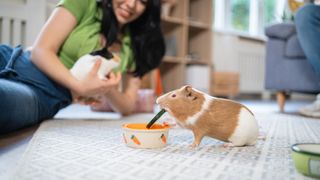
{"x":171,"y":122}
{"x":171,"y":125}
{"x":227,"y":145}
{"x":194,"y":146}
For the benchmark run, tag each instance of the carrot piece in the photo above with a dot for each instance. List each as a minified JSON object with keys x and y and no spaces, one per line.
{"x":135,"y":140}
{"x":163,"y":138}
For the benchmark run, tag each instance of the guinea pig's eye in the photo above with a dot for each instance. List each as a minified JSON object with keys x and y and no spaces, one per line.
{"x":189,"y":94}
{"x":173,"y":95}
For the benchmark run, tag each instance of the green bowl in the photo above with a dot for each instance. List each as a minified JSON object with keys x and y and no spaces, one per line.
{"x":306,"y":157}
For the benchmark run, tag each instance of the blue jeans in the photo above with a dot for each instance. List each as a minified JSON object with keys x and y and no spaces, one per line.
{"x":307,"y":22}
{"x":27,"y":96}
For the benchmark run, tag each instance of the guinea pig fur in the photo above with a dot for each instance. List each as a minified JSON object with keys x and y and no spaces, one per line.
{"x":204,"y":115}
{"x":85,"y":63}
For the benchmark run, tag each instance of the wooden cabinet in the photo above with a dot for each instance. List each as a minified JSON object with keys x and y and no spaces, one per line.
{"x":187,"y":29}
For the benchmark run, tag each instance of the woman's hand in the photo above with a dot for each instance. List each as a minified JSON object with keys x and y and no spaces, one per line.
{"x":92,"y":85}
{"x":120,"y":101}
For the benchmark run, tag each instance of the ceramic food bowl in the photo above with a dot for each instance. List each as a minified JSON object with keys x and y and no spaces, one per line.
{"x":306,"y":157}
{"x":138,"y":136}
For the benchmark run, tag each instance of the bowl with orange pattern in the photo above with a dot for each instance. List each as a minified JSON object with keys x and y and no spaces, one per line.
{"x":139,"y":136}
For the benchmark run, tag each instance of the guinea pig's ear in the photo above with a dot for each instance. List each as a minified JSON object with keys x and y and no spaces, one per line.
{"x":189,"y":93}
{"x":187,"y":88}
{"x":103,"y":52}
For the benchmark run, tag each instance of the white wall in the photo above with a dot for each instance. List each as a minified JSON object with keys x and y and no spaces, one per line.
{"x":22,"y":20}
{"x":241,"y":54}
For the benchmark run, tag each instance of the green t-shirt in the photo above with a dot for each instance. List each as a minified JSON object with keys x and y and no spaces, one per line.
{"x":85,"y":37}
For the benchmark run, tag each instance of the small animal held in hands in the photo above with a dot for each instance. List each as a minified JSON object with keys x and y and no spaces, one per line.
{"x":84,"y":65}
{"x":204,"y":115}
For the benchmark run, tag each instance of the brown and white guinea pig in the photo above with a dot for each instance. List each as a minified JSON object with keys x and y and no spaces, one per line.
{"x":205,"y":115}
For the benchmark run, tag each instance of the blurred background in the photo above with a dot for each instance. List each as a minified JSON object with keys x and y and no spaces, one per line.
{"x":217,"y":46}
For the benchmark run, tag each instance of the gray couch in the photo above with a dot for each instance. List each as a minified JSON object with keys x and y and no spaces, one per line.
{"x":287,"y":69}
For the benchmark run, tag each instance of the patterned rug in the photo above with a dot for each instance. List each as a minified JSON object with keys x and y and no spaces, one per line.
{"x":91,"y":149}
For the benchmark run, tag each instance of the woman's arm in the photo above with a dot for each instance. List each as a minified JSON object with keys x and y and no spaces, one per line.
{"x":44,"y":56}
{"x":124,"y":102}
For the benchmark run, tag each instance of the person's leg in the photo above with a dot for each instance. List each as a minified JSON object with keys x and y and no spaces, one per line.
{"x":18,"y":106}
{"x":5,"y":54}
{"x":18,"y":103}
{"x":307,"y":22}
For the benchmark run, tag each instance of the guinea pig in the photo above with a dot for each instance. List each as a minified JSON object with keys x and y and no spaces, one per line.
{"x":204,"y":115}
{"x":84,"y":64}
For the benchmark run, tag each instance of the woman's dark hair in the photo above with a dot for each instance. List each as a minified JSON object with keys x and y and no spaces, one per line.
{"x":146,"y":37}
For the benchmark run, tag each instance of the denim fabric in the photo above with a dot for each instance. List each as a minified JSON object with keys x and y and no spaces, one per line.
{"x":308,"y":28}
{"x":27,"y":96}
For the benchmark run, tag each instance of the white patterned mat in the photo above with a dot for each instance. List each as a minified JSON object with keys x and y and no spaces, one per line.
{"x":87,"y":149}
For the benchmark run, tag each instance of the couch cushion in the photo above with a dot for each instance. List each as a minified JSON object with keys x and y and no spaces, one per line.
{"x":281,"y":30}
{"x":293,"y":48}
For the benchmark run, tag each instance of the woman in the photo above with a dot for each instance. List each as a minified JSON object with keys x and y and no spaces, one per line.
{"x":35,"y":84}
